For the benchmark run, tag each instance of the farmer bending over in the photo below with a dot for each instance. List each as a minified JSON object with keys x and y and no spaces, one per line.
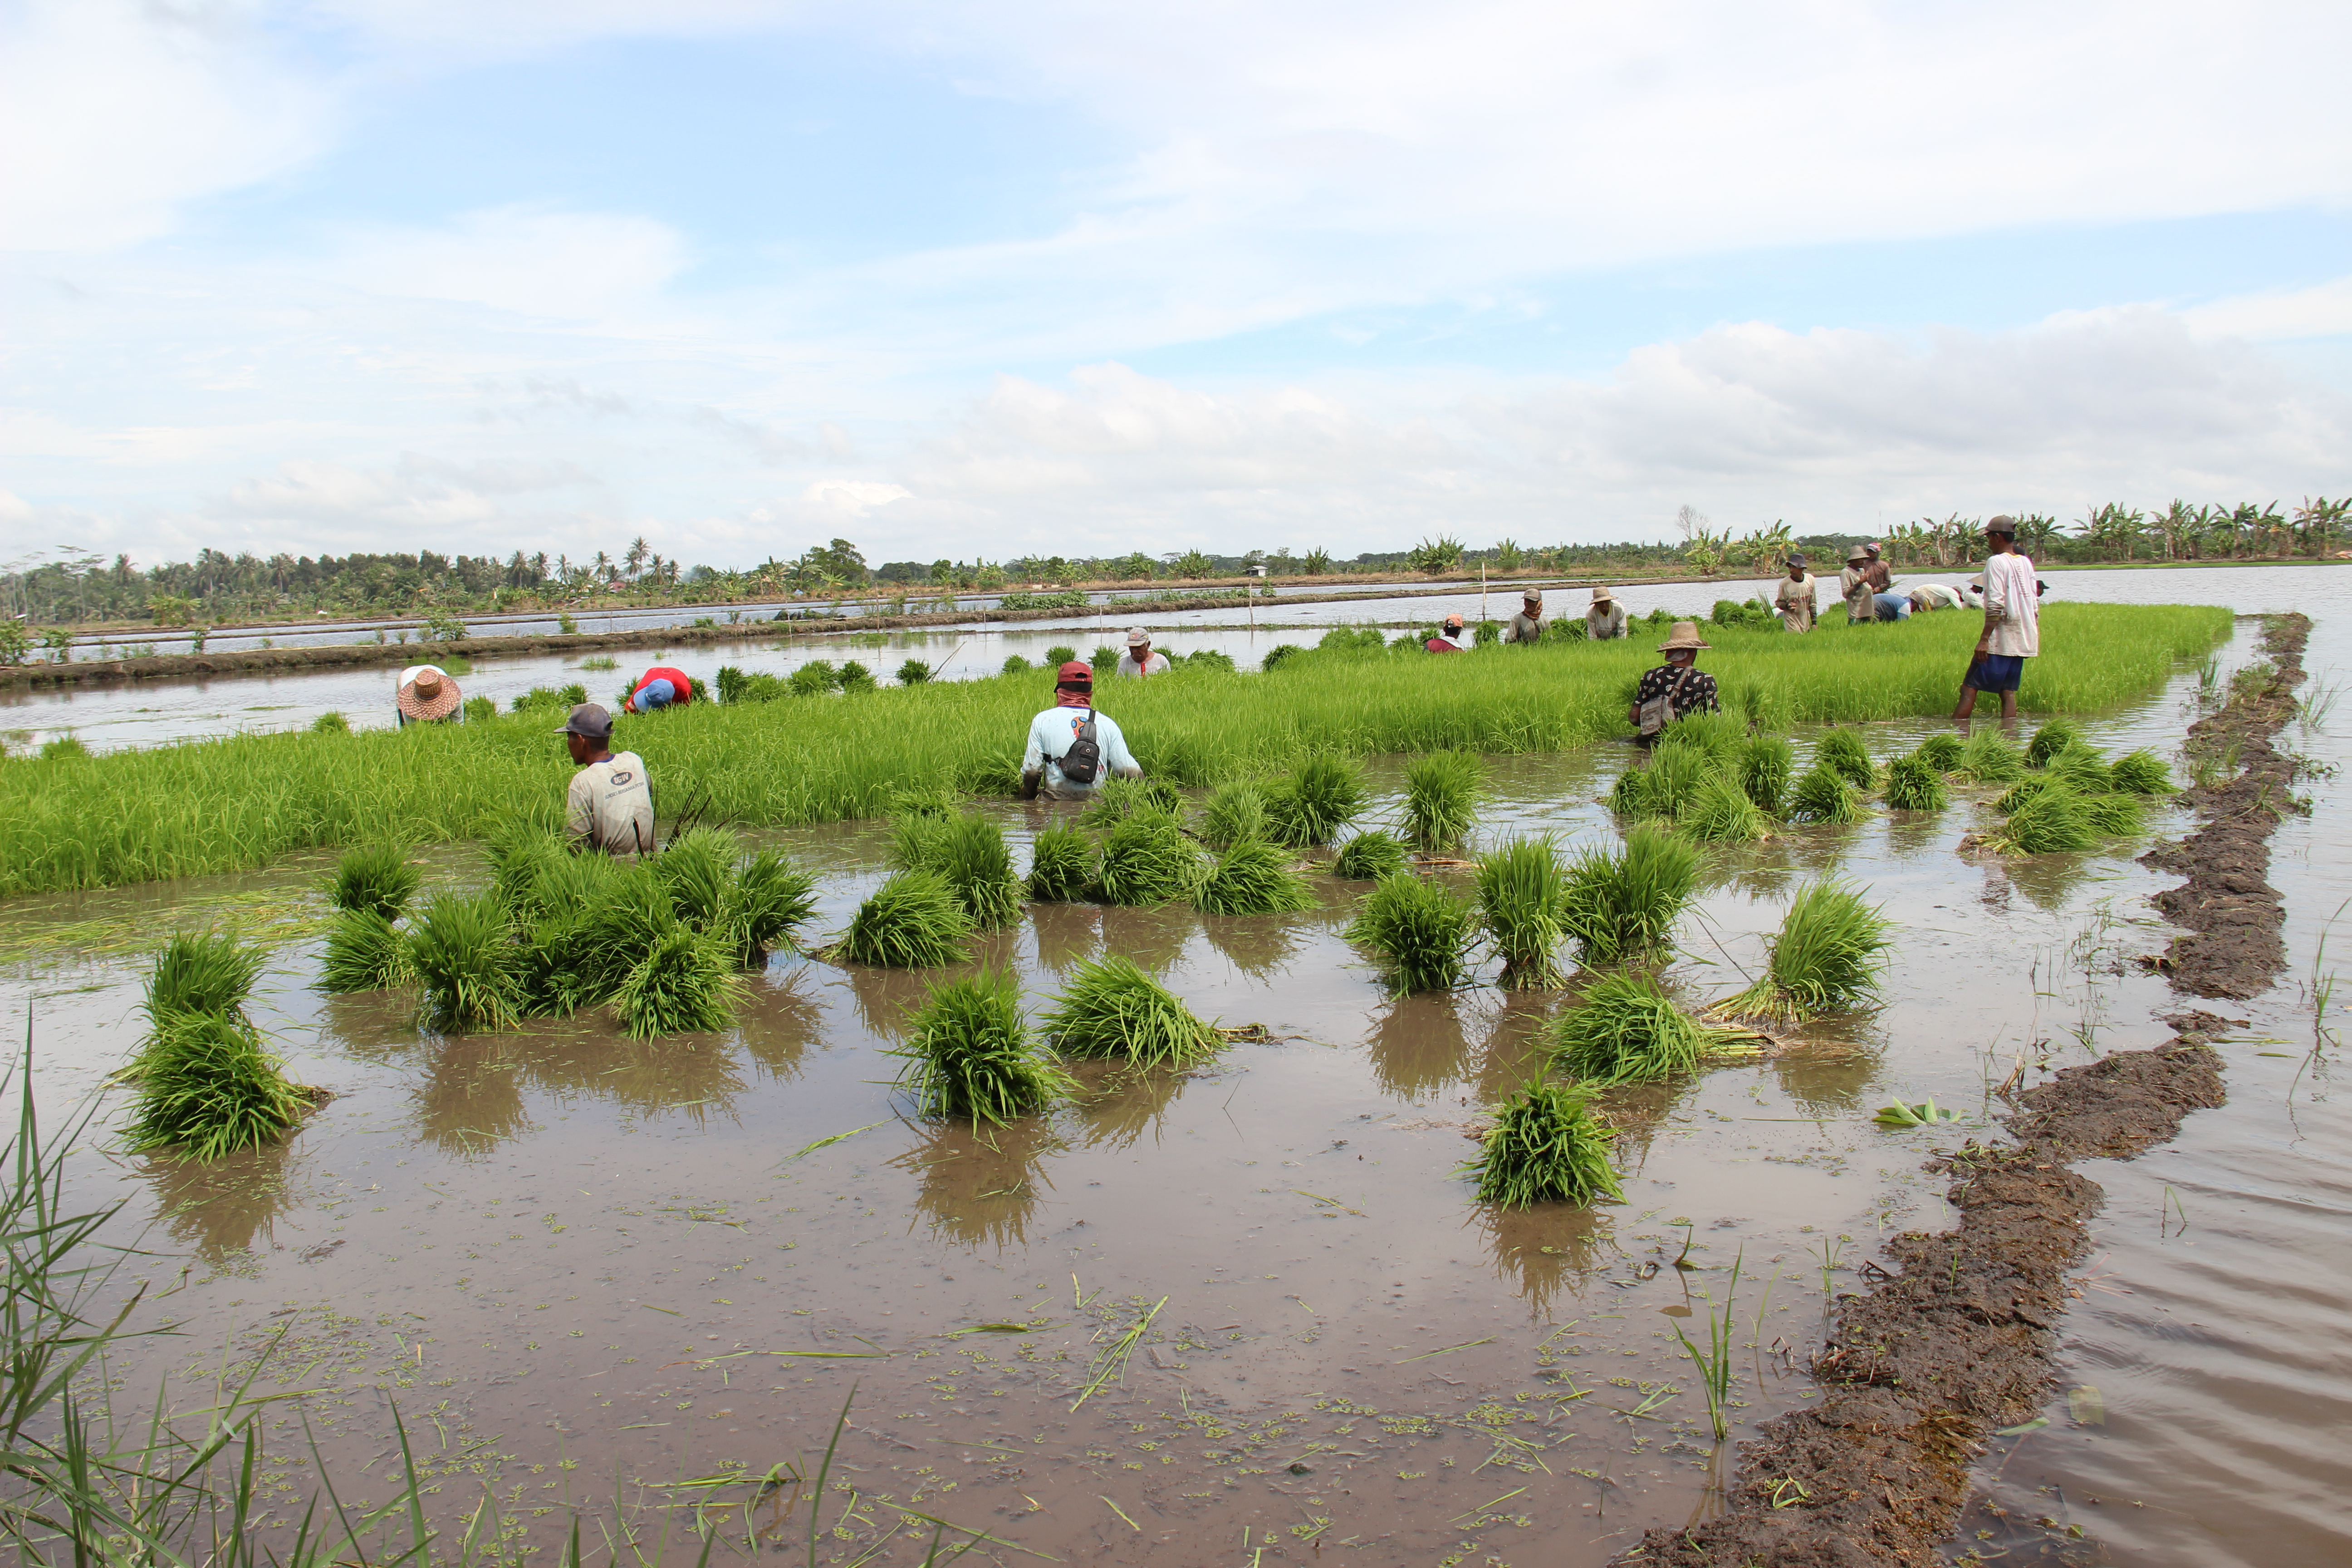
{"x":1072,"y":747}
{"x":660,"y":687}
{"x":1606,"y":619}
{"x":610,"y":806}
{"x":2013,"y":629}
{"x":1528,"y":626}
{"x":428,"y":696}
{"x":1448,"y":638}
{"x":1675,"y":689}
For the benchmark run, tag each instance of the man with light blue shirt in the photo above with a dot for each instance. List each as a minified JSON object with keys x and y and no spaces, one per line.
{"x":1072,"y":747}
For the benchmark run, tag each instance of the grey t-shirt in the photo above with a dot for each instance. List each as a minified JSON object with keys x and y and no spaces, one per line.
{"x":611,"y":805}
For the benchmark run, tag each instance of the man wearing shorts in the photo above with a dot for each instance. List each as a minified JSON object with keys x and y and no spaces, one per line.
{"x":2013,"y":629}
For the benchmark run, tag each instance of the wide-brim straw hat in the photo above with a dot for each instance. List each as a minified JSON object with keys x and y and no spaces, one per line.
{"x":1856,"y":554}
{"x":1601,"y":593}
{"x":1683,"y":634}
{"x":440,"y":705}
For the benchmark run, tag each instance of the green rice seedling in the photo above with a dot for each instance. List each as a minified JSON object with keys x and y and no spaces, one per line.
{"x":2142,"y":771}
{"x":2047,"y":822}
{"x":1147,"y":860}
{"x":970,"y":854}
{"x":1370,"y":856}
{"x":970,"y":1054}
{"x":1624,"y":905}
{"x":1321,"y":795}
{"x":1722,"y":813}
{"x":2080,"y":769}
{"x":1721,"y":736}
{"x":2018,"y":794}
{"x":458,"y":950}
{"x":697,"y":871}
{"x":914,"y":920}
{"x":363,"y":954}
{"x":330,"y":723}
{"x":1057,"y":656}
{"x":1441,"y":794}
{"x":1111,"y":1008}
{"x":685,"y":984}
{"x":1014,"y":665}
{"x":1914,"y":784}
{"x":1941,"y":753}
{"x":1633,"y":797}
{"x":1061,"y":865}
{"x":1766,"y":764}
{"x":1115,"y":800}
{"x":1626,"y":1029}
{"x":933,"y":799}
{"x":1828,"y":957}
{"x":1825,"y":796}
{"x":768,"y":903}
{"x":1418,"y":929}
{"x":376,"y":877}
{"x":203,"y":972}
{"x":856,"y":677}
{"x":913,"y":839}
{"x":1234,"y":811}
{"x":1842,"y":751}
{"x":206,"y":1088}
{"x":2049,"y":741}
{"x":1251,"y":877}
{"x":1545,"y":1145}
{"x":1523,"y":905}
{"x":2117,"y":815}
{"x":914,"y":672}
{"x":1989,"y":758}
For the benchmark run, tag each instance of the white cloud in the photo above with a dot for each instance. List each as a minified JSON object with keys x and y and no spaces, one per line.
{"x":2322,"y":310}
{"x":530,"y":262}
{"x":421,"y":500}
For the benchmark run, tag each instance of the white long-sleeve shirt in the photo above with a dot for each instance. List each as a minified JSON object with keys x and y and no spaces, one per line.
{"x":2013,"y":607}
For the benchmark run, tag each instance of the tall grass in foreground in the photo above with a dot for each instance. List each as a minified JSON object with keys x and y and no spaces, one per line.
{"x":1626,"y":1029}
{"x":1523,"y":904}
{"x":1829,"y":957}
{"x":373,"y":878}
{"x":914,"y":920}
{"x":1441,"y":797}
{"x":1111,"y":1008}
{"x":1418,"y":931}
{"x":1622,"y":905}
{"x":1545,"y":1146}
{"x":970,"y":1054}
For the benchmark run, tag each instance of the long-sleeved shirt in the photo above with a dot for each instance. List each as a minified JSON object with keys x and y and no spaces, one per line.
{"x":1603,"y":622}
{"x":1525,"y":627}
{"x":1860,"y":602}
{"x":2013,"y":607}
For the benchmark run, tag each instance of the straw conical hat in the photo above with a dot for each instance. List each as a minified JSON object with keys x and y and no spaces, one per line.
{"x":1684,"y":635}
{"x":443,"y":701}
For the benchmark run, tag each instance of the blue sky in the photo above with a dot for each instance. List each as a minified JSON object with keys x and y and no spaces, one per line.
{"x":741,"y":276}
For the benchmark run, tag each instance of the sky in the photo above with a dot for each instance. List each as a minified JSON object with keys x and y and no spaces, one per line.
{"x":742,"y":275}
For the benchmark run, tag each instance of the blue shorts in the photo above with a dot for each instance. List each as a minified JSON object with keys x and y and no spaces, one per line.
{"x":1995,"y":672}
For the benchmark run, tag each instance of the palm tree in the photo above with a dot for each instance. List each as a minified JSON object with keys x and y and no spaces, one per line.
{"x":635,"y":558}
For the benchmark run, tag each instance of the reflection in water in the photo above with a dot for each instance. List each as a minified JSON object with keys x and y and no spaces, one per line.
{"x":1259,"y":946}
{"x":1122,"y":1102}
{"x":372,"y":1025}
{"x":1067,"y":934}
{"x":1539,"y":1251}
{"x":470,"y":1099}
{"x":885,"y":998}
{"x":1915,"y":833}
{"x":980,"y":1184}
{"x":2047,"y":881}
{"x":1153,"y":940}
{"x":1824,"y":1075}
{"x":1417,"y":1048}
{"x":647,"y":1075}
{"x":1517,"y":1049}
{"x":220,"y":1208}
{"x":781,"y":1020}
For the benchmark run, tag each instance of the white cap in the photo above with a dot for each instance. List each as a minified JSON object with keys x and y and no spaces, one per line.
{"x":1136,"y":636}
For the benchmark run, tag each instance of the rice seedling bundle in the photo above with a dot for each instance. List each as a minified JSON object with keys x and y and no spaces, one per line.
{"x":363,"y":954}
{"x":914,"y":920}
{"x":1251,"y":877}
{"x":1989,"y":758}
{"x":2117,"y":815}
{"x":2142,"y":771}
{"x":1111,"y":1008}
{"x":2049,"y":741}
{"x":1545,"y":1146}
{"x":1677,"y":774}
{"x":768,"y":902}
{"x":697,"y":871}
{"x":1061,"y":865}
{"x":207,"y":1089}
{"x":1370,"y":856}
{"x":2018,"y":794}
{"x":458,"y":950}
{"x":970,"y":855}
{"x":923,"y":800}
{"x":2047,"y":822}
{"x":2081,"y":769}
{"x":1441,"y":794}
{"x":1633,"y":797}
{"x":559,"y":968}
{"x":1234,"y":811}
{"x":1766,"y":764}
{"x":1626,"y":1029}
{"x":1417,"y":930}
{"x":1824,"y":795}
{"x":1914,"y":784}
{"x":630,"y":913}
{"x":970,"y":1054}
{"x":1523,"y":904}
{"x":1147,"y":860}
{"x":912,"y":837}
{"x":1321,"y":795}
{"x":202,"y":972}
{"x":1720,"y":737}
{"x":1118,"y":799}
{"x":1723,"y":814}
{"x":1828,"y":957}
{"x":1842,"y":751}
{"x":375,"y":877}
{"x":1624,"y":905}
{"x":685,"y":984}
{"x":1941,"y":753}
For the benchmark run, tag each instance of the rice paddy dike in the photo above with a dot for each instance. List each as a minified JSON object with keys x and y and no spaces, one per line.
{"x":1242,"y":1306}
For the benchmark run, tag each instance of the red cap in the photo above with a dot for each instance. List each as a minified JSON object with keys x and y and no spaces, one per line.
{"x":1075,"y":673}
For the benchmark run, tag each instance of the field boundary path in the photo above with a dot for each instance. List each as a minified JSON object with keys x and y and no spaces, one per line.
{"x":1920,"y":1370}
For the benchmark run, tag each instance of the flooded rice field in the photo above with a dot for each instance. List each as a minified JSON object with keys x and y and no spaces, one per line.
{"x":1247,"y":1312}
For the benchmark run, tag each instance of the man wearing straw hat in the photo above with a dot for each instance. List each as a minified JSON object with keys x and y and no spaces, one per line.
{"x":1139,"y":661}
{"x":1528,"y":626}
{"x":1072,"y":747}
{"x":1606,"y":619}
{"x":1675,"y":689}
{"x":1853,"y":587}
{"x":1793,"y":596}
{"x":428,"y":696}
{"x":610,"y":805}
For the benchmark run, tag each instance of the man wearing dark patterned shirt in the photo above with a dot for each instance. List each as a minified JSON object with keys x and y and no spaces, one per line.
{"x":1678,"y":680}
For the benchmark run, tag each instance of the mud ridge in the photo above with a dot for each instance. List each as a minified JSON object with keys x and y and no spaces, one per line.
{"x":1919,"y":1372}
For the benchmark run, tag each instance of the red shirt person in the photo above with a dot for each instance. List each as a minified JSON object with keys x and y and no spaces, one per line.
{"x":660,"y":687}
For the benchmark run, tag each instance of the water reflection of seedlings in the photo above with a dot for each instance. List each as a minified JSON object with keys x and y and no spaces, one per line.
{"x":1539,"y":1252}
{"x":646,"y":1075}
{"x":1824,"y":1076}
{"x":780,"y":1021}
{"x":1119,"y":1104}
{"x":1153,"y":938}
{"x":2047,"y":881}
{"x":1418,"y":1048}
{"x":1067,"y":934}
{"x":885,"y":998}
{"x":1258,"y":947}
{"x":222,"y":1207}
{"x":1516,"y":1049}
{"x":371,"y":1027}
{"x":980,"y":1185}
{"x":470,"y":1099}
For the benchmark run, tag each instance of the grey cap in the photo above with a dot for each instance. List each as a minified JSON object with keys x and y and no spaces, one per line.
{"x":1796,"y":558}
{"x":589,"y":720}
{"x":2004,"y":524}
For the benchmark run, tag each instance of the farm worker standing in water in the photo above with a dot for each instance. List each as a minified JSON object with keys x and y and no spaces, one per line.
{"x":1139,"y":661}
{"x":428,"y":696}
{"x":610,"y":806}
{"x":1676,"y":689}
{"x":1793,"y":596}
{"x":1448,"y":638}
{"x":1072,"y":747}
{"x":1606,"y":618}
{"x":2012,"y":629}
{"x":663,"y":686}
{"x":1528,"y":626}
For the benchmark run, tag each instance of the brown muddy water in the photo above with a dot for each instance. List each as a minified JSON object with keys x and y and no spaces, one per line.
{"x":597,"y":1276}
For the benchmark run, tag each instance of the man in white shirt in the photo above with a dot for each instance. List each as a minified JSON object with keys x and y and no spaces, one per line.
{"x":2012,"y":630}
{"x":1064,"y":725}
{"x":1604,"y":620}
{"x":610,"y":806}
{"x":1936,"y":596}
{"x":1139,"y":660}
{"x":1794,"y":598}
